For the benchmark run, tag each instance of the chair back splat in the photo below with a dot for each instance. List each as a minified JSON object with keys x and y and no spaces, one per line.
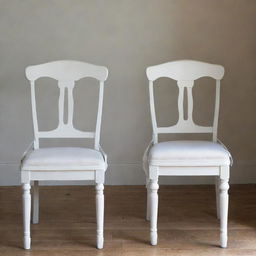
{"x":185,"y":72}
{"x":66,"y":73}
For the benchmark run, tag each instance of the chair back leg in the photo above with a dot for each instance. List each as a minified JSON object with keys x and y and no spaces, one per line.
{"x":35,"y":218}
{"x":148,"y":200}
{"x":217,"y":197}
{"x":100,"y":214}
{"x":223,"y":191}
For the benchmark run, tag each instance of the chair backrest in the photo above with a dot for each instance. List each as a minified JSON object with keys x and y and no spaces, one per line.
{"x":185,"y":72}
{"x":66,"y":72}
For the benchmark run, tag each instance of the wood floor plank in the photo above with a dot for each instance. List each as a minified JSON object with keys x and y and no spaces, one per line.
{"x":187,"y":223}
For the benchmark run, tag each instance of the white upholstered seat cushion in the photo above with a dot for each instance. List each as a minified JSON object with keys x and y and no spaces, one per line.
{"x":63,"y":158}
{"x":188,"y":153}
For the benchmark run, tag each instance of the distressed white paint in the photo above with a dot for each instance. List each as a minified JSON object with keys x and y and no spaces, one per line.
{"x":66,"y":73}
{"x":185,"y":72}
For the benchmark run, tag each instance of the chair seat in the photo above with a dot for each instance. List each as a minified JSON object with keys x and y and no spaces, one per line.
{"x":63,"y":158}
{"x":188,"y":153}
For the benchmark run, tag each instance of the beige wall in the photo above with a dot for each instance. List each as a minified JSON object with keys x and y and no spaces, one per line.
{"x":127,"y":36}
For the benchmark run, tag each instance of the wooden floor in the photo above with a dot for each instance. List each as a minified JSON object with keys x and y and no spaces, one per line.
{"x":187,"y":222}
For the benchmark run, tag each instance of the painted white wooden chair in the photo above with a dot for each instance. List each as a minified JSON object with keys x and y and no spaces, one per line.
{"x":186,"y":158}
{"x":64,"y":163}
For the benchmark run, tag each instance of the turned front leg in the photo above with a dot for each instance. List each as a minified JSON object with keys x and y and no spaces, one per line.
{"x":223,"y":187}
{"x":153,"y":210}
{"x":26,"y":214}
{"x":100,"y":214}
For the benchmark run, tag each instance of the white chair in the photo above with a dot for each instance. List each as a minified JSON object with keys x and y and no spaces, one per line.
{"x":186,"y":158}
{"x":64,"y":163}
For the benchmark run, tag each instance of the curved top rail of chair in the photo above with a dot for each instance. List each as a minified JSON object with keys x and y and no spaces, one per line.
{"x":68,"y":70}
{"x":185,"y":70}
